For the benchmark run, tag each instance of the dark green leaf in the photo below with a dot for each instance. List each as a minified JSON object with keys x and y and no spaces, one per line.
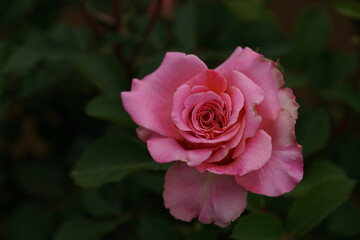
{"x":155,"y":227}
{"x":313,"y":130}
{"x":317,"y":204}
{"x":258,"y":226}
{"x":311,"y":33}
{"x":347,"y":8}
{"x":255,"y":202}
{"x":104,"y":71}
{"x":78,"y":228}
{"x":15,"y":11}
{"x":248,"y":10}
{"x":264,"y":36}
{"x":345,"y":221}
{"x":110,"y":159}
{"x":185,"y":26}
{"x":25,"y":57}
{"x":320,"y":172}
{"x":40,"y":180}
{"x":30,"y":222}
{"x":109,"y":107}
{"x":99,"y":204}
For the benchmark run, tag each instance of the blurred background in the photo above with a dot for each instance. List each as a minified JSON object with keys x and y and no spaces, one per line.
{"x":71,"y":167}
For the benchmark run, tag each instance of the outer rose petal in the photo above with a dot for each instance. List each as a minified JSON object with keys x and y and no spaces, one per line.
{"x":164,"y":150}
{"x":284,"y":170}
{"x":258,"y":70}
{"x":149,"y":102}
{"x":214,"y":198}
{"x":287,"y":101}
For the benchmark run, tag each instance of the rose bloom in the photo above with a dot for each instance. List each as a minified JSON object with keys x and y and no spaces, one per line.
{"x":229,"y":130}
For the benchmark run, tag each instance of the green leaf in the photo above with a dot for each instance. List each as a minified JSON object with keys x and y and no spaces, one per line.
{"x":248,"y":10}
{"x":185,"y":26}
{"x":320,"y":172}
{"x":109,"y":107}
{"x":313,"y":129}
{"x":31,"y":222}
{"x":15,"y":11}
{"x":110,"y":159}
{"x":345,"y":221}
{"x":255,"y":202}
{"x":78,"y":228}
{"x":311,"y":33}
{"x":347,"y":8}
{"x":264,"y":36}
{"x":103,"y":71}
{"x":98,"y":204}
{"x":40,"y":180}
{"x":317,"y":204}
{"x":155,"y":227}
{"x":24,"y":57}
{"x":258,"y":226}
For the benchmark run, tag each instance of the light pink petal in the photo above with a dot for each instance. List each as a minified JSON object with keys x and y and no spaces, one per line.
{"x":211,"y":79}
{"x":253,"y":96}
{"x":278,"y":77}
{"x":228,"y":135}
{"x":260,"y":71}
{"x":287,"y":101}
{"x":165,"y":150}
{"x":284,"y":170}
{"x":280,"y":175}
{"x":149,"y":102}
{"x":180,"y":96}
{"x":213,"y":198}
{"x":256,"y":154}
{"x":237,"y":100}
{"x":282,"y":130}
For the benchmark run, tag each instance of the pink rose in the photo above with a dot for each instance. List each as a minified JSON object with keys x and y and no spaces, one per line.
{"x":230,"y":130}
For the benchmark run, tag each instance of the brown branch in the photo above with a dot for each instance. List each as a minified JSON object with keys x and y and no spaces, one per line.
{"x":117,"y":14}
{"x":96,"y":29}
{"x":149,"y":27}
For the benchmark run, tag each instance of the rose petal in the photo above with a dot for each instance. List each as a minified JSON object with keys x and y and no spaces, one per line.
{"x":237,"y":100}
{"x":256,"y":154}
{"x":253,"y":96}
{"x":180,"y":96}
{"x":284,"y":170}
{"x":149,"y":102}
{"x":213,"y":198}
{"x":260,"y":71}
{"x":211,"y":79}
{"x":165,"y":150}
{"x":287,"y":101}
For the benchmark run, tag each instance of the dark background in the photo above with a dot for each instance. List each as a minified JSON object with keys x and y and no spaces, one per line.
{"x":70,"y":164}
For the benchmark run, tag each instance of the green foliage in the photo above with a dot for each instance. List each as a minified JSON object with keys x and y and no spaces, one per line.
{"x":102,"y":71}
{"x":31,"y":222}
{"x":316,"y":204}
{"x":108,"y":107}
{"x":78,"y":228}
{"x":347,"y":8}
{"x":110,"y":159}
{"x":313,"y":130}
{"x":155,"y":227}
{"x":258,"y":226}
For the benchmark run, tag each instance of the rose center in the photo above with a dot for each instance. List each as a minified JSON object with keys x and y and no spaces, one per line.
{"x":209,"y":120}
